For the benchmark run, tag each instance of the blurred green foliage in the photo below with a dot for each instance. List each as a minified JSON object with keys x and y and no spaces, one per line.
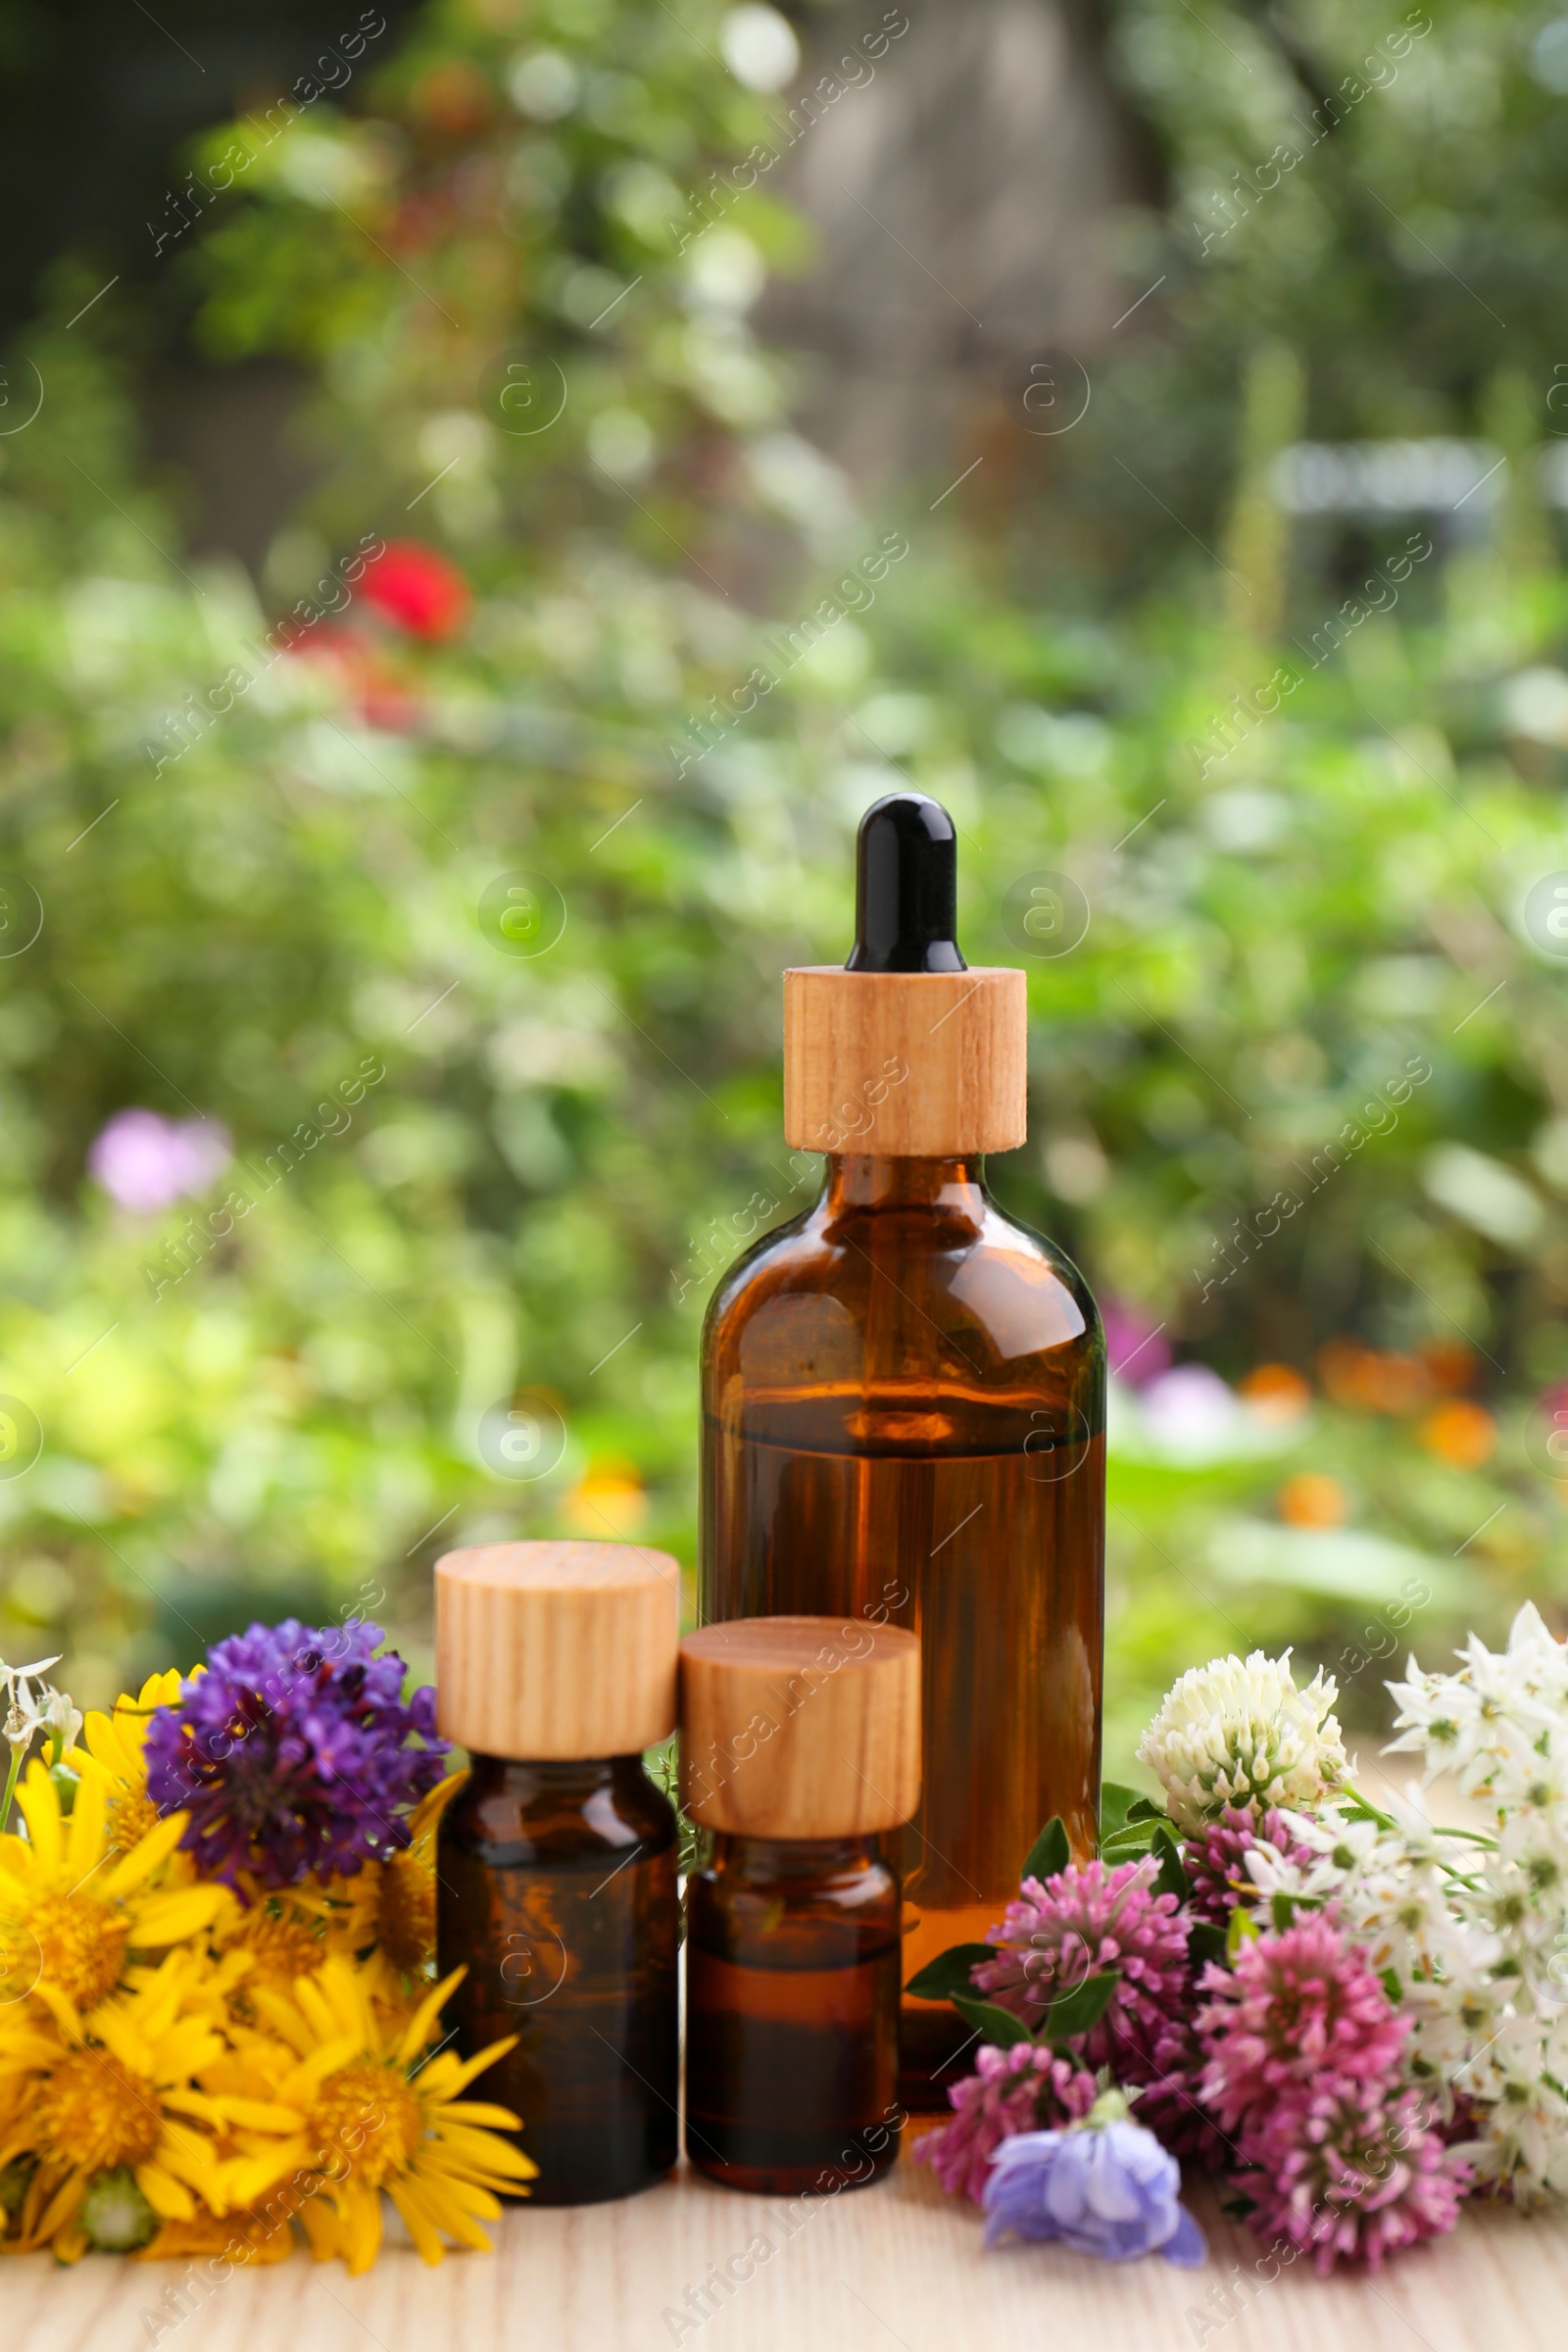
{"x":567,"y":1146}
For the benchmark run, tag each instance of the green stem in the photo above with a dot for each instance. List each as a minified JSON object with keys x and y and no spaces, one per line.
{"x":1386,"y":1820}
{"x":16,"y":1754}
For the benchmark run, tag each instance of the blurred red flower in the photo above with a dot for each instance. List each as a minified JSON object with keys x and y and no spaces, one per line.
{"x":417,"y":587}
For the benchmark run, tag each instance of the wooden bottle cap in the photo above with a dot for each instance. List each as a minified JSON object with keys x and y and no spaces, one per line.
{"x":553,"y":1652}
{"x":904,"y":1065}
{"x":799,"y":1727}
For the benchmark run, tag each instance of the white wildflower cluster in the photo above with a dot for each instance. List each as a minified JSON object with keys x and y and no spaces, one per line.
{"x":1243,"y":1734}
{"x":1469,"y":1928}
{"x":1501,"y":1726}
{"x":28,"y":1712}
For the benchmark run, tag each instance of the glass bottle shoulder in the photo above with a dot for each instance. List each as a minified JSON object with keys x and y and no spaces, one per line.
{"x":527,"y":1813}
{"x":755,"y":1902}
{"x":846,"y":1281}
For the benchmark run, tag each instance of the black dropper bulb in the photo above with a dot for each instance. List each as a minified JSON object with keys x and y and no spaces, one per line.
{"x":905,"y":888}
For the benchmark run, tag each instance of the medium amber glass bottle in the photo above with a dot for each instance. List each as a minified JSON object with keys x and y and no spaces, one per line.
{"x":800,"y":1743}
{"x":556,"y":1862}
{"x":903,"y":1404}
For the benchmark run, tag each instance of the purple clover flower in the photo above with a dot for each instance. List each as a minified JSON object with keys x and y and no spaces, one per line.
{"x":1010,"y":2091}
{"x":1103,"y":2187}
{"x":290,"y":1753}
{"x":1214,"y":1858}
{"x":1307,"y":2057}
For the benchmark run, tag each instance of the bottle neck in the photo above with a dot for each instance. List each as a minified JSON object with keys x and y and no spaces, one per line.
{"x":860,"y":1181}
{"x":775,"y":1861}
{"x":556,"y":1783}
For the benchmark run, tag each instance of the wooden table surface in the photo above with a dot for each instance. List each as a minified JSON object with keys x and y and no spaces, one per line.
{"x":897,"y":2264}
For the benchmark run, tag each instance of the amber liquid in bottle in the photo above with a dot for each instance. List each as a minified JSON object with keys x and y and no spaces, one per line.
{"x":904,"y":1418}
{"x":792,"y":2014}
{"x":555,"y":1886}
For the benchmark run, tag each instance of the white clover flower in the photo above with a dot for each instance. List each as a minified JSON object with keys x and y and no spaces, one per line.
{"x":1229,"y":1734}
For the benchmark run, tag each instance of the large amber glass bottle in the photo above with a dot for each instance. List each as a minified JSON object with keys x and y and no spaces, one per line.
{"x":904,"y":1405}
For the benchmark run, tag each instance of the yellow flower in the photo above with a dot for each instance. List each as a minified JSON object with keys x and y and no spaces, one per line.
{"x":284,"y":1934}
{"x":116,"y":1743}
{"x":118,"y":2091}
{"x":70,"y":1916}
{"x":390,"y":1905}
{"x":374,"y":2113}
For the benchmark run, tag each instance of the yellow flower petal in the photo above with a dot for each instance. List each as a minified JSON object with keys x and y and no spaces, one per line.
{"x":457,"y":2072}
{"x":323,"y":2229}
{"x":117,"y":2031}
{"x":425,"y":2017}
{"x":40,"y":1802}
{"x":86,"y":1837}
{"x":144,"y":1857}
{"x":64,"y":2014}
{"x":171,"y":1918}
{"x":260,"y":2115}
{"x":426,"y":2238}
{"x":362,"y":2227}
{"x":481,"y":2113}
{"x":169,"y":2199}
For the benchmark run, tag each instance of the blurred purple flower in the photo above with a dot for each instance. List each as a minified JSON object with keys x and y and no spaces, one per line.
{"x":144,"y":1162}
{"x":1136,"y":1350}
{"x":1108,"y":2190}
{"x":1191,"y":1411}
{"x":290,"y":1755}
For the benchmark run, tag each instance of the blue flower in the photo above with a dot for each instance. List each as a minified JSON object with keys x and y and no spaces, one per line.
{"x":1106,"y":2189}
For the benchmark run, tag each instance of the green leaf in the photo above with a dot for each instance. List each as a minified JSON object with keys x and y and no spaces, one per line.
{"x":1050,"y":1852}
{"x":1207,"y":1942}
{"x":991,"y":2022}
{"x":949,"y":1973}
{"x":1243,"y":1929}
{"x":1073,"y":2013}
{"x":1126,"y":1821}
{"x":1172,"y":1879}
{"x":1129,"y":1844}
{"x":1116,"y":1801}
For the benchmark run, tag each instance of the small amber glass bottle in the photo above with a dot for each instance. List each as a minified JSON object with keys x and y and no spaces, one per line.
{"x":556,"y":1862}
{"x":800,"y":1747}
